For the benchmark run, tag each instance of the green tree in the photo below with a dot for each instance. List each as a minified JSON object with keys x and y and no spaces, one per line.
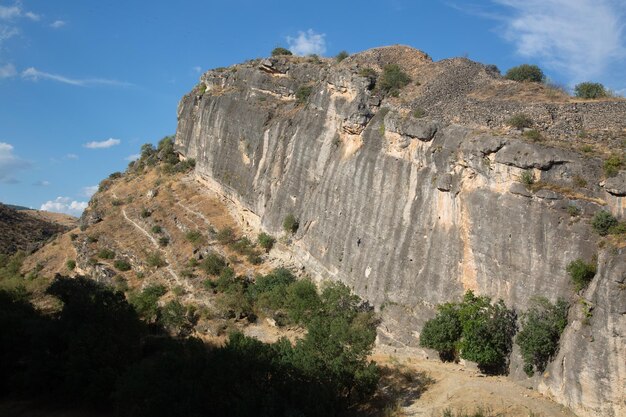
{"x":542,"y":326}
{"x":146,"y":301}
{"x":525,"y":72}
{"x":443,"y":332}
{"x":589,"y":90}
{"x":278,"y":51}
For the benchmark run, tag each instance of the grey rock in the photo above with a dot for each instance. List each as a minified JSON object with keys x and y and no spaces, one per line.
{"x":519,"y":189}
{"x":616,"y":185}
{"x":548,"y":195}
{"x":525,"y":155}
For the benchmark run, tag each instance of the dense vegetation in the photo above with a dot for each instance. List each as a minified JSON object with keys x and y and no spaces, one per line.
{"x":97,"y":353}
{"x":542,"y":326}
{"x":474,"y":329}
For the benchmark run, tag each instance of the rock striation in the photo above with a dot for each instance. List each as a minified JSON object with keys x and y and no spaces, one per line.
{"x":413,"y":200}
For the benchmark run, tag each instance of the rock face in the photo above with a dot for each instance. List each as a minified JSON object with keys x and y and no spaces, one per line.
{"x":410,"y":204}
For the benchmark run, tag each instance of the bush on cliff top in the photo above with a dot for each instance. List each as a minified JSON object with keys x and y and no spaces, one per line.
{"x":281,"y":51}
{"x":392,"y":80}
{"x":525,"y":72}
{"x":589,"y":90}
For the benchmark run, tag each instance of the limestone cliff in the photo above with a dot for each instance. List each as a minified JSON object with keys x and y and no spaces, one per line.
{"x":413,"y":200}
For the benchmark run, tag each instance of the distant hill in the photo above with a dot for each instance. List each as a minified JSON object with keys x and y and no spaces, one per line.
{"x":25,"y":229}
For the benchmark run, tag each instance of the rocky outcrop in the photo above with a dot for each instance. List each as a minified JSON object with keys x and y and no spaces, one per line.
{"x":405,"y":201}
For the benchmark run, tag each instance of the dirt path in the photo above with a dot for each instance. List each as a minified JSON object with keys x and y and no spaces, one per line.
{"x":461,"y":388}
{"x":169,"y":268}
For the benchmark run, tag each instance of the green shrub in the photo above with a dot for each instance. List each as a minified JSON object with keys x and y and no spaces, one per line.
{"x":156,"y":229}
{"x":542,"y":326}
{"x":121,"y":265}
{"x":573,"y":210}
{"x":213,"y":264}
{"x":603,"y":221}
{"x":290,"y":224}
{"x":589,"y":90}
{"x":226,"y":236}
{"x":485,"y":336}
{"x":341,"y":56}
{"x":525,"y":72}
{"x":392,"y":80}
{"x":155,"y":260}
{"x":201,"y":88}
{"x":176,"y":318}
{"x":527,"y":178}
{"x":164,"y":241}
{"x":520,"y":121}
{"x":303,"y":93}
{"x":194,"y":237}
{"x":281,"y":51}
{"x":243,"y":246}
{"x":266,"y":241}
{"x":581,"y":273}
{"x":116,"y":202}
{"x":146,"y":301}
{"x":418,"y":113}
{"x":106,"y":254}
{"x":443,"y":332}
{"x":612,"y":165}
{"x":70,"y":264}
{"x":145,"y":213}
{"x":533,"y":134}
{"x":254,"y":258}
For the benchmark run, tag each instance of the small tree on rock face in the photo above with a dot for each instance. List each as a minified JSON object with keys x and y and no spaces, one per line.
{"x":342,"y":55}
{"x":581,"y":273}
{"x":291,"y":224}
{"x":525,"y":72}
{"x":603,"y":221}
{"x":589,"y":90}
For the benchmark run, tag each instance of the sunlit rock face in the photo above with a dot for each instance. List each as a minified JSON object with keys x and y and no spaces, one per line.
{"x":413,"y":200}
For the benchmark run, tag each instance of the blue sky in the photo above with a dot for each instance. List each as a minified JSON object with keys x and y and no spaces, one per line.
{"x":84,"y":83}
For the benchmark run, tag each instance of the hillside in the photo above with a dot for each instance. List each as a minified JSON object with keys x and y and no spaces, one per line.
{"x":410,"y":196}
{"x":28,"y":230}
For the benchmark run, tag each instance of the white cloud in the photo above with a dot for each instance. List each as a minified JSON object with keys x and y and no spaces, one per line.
{"x":71,"y":156}
{"x":65,"y":205}
{"x":42,"y":183}
{"x":102,"y":144}
{"x":7,"y":32}
{"x":197,"y":69}
{"x":307,"y":43}
{"x":7,"y":71}
{"x":10,"y":164}
{"x":57,"y":24}
{"x":580,"y":38}
{"x":32,"y":16}
{"x":133,"y":157}
{"x":33,"y":74}
{"x":89,"y":190}
{"x":9,"y":12}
